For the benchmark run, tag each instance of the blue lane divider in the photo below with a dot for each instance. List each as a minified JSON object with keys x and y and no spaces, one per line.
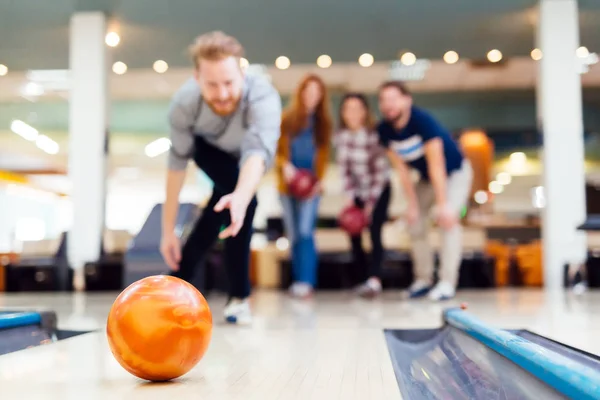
{"x":567,"y":376}
{"x":15,"y":319}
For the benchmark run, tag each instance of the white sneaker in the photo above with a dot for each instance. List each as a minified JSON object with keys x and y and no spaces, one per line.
{"x":419,"y":288}
{"x":238,"y":312}
{"x":442,"y":291}
{"x":301,"y":290}
{"x":371,"y":288}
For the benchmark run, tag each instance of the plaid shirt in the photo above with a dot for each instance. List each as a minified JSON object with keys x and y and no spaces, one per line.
{"x":363,"y":164}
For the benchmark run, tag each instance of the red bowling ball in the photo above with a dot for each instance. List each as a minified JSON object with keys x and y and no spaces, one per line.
{"x":353,"y":220}
{"x":302,"y":184}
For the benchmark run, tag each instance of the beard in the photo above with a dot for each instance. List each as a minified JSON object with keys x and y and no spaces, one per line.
{"x":223,"y":108}
{"x":393,"y":118}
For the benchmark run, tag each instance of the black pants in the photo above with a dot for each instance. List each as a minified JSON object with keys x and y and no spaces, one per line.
{"x":363,"y":269}
{"x":222,"y":168}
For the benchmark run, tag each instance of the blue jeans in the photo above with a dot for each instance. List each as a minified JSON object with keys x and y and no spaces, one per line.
{"x":299,"y":219}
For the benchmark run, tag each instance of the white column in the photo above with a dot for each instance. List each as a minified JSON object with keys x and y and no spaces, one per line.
{"x":88,"y":124}
{"x":562,"y":126}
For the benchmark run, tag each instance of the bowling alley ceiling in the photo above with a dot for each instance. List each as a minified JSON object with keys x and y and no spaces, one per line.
{"x":34,"y":33}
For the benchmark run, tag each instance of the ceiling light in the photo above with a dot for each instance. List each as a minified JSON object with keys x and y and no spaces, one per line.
{"x":160,"y":66}
{"x":3,"y":70}
{"x":504,"y":178}
{"x":32,"y":89}
{"x":27,"y":132}
{"x":46,"y":144}
{"x":157,"y":147}
{"x":408,"y":59}
{"x":494,"y":55}
{"x":366,"y":60}
{"x":582,"y":52}
{"x":518,"y":157}
{"x":496,"y":187}
{"x":536,"y":54}
{"x":517,"y":163}
{"x":451,"y":57}
{"x":244,"y":63}
{"x":480,"y":197}
{"x":119,"y":68}
{"x":282,"y":62}
{"x":324,"y":61}
{"x":112,"y":39}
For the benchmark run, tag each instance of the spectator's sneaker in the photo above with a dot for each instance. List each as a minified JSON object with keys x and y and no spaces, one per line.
{"x":419,"y":289}
{"x":442,"y":291}
{"x":238,"y":312}
{"x":371,"y":288}
{"x":301,"y":290}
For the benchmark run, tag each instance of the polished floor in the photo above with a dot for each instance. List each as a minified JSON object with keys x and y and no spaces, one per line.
{"x":329,"y":348}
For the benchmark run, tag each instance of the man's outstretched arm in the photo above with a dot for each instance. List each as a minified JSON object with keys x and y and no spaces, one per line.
{"x":257,"y":154}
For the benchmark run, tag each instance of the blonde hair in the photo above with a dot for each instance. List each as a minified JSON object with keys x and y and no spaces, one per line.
{"x":215,"y":46}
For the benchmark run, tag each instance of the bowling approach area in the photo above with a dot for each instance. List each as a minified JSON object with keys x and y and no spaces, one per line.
{"x":507,"y":344}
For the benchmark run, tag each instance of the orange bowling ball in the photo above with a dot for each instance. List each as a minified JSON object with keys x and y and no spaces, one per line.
{"x":159,"y":328}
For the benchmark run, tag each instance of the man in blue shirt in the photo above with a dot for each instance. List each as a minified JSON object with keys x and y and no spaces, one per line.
{"x":415,"y":140}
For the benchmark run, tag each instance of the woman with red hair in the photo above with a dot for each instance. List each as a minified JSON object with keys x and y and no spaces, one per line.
{"x":305,"y":143}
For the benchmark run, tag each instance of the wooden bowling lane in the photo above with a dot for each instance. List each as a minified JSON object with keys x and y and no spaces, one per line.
{"x":330,"y":348}
{"x":270,"y":365}
{"x":301,"y":358}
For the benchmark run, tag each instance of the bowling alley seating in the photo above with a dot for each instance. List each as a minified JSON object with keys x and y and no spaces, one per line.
{"x":593,"y":261}
{"x":397,"y":269}
{"x":529,"y":261}
{"x":518,"y":253}
{"x":41,"y":266}
{"x":6,"y":259}
{"x":107,"y":273}
{"x":591,"y":270}
{"x":501,"y":254}
{"x":273,"y":265}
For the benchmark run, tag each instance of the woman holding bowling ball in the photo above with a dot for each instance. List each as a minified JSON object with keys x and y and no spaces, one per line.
{"x":366,"y":181}
{"x":304,"y":146}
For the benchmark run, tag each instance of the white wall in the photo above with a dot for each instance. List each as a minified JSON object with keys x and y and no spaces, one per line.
{"x":28,"y":214}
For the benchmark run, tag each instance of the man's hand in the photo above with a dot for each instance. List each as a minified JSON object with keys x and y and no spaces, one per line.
{"x":316,"y":190}
{"x":237,"y":204}
{"x":412,"y":213}
{"x":446,"y":218}
{"x":170,"y":248}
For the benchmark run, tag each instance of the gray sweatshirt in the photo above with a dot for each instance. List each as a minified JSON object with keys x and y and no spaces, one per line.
{"x":253,"y":128}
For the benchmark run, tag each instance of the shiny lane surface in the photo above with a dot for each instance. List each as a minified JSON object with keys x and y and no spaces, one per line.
{"x":329,"y":348}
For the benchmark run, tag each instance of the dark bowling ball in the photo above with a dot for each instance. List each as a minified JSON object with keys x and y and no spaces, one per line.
{"x":302,"y":184}
{"x":353,"y":220}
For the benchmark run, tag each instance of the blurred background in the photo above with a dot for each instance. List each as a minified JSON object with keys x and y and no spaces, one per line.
{"x":473,"y":64}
